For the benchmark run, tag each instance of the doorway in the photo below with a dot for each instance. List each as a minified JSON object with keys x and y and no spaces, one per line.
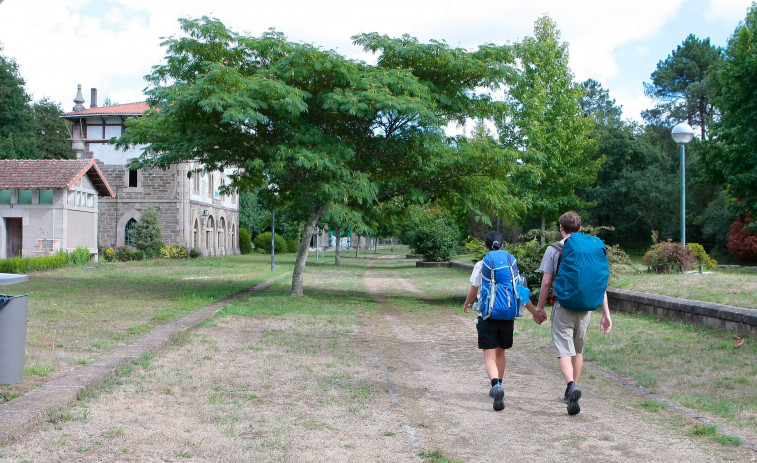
{"x":13,"y":236}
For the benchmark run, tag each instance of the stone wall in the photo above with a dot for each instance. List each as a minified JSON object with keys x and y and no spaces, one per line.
{"x":736,"y":319}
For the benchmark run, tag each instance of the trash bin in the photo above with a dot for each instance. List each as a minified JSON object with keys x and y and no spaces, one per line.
{"x":13,"y":313}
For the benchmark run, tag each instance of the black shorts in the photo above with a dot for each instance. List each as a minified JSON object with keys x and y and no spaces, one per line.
{"x":495,"y":333}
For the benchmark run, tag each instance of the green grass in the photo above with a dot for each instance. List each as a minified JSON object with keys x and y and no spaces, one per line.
{"x":437,"y":456}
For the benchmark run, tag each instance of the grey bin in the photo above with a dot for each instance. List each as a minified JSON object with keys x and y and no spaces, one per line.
{"x":12,"y":331}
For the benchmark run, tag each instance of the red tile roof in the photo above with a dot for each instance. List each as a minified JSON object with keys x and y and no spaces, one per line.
{"x":51,"y":173}
{"x":129,"y":109}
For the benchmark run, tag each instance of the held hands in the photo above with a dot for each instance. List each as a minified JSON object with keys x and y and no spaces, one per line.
{"x":539,"y":314}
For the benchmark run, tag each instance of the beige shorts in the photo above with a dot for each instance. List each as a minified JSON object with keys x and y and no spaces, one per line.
{"x":569,"y":330}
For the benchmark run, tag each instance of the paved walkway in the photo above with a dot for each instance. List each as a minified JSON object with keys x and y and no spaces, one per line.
{"x":27,"y":412}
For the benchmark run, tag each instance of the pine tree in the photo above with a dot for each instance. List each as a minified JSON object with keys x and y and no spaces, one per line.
{"x":148,"y":235}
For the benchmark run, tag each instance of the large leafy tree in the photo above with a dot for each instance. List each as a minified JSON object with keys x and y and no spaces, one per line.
{"x":548,"y":127}
{"x":16,"y":119}
{"x":730,"y":159}
{"x":320,"y":130}
{"x":51,"y":132}
{"x":681,"y":83}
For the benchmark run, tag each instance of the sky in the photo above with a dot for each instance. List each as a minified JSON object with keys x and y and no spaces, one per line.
{"x":112,"y":44}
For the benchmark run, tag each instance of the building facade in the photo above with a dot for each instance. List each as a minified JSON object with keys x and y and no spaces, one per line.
{"x":192,"y":211}
{"x":49,"y":205}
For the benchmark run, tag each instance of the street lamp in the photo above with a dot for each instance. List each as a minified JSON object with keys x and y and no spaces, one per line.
{"x":683,"y":134}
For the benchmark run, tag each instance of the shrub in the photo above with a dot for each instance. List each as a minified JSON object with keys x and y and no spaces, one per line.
{"x":476,"y":246}
{"x":434,"y":237}
{"x":742,"y":243}
{"x":293,"y":246}
{"x":617,"y":256}
{"x":174,"y":251}
{"x":30,"y":264}
{"x":193,"y":253}
{"x":126,"y":254}
{"x":148,"y":236}
{"x":80,"y":256}
{"x":245,"y":241}
{"x":668,"y":257}
{"x":263,"y":242}
{"x":109,"y":254}
{"x":701,"y":256}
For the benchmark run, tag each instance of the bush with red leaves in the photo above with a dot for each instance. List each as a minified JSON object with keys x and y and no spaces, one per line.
{"x":742,"y":243}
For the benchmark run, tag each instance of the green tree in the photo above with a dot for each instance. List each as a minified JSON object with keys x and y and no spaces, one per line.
{"x":51,"y":131}
{"x":634,"y":187}
{"x":681,"y":83}
{"x":321,"y":130}
{"x":16,"y":119}
{"x":148,"y":235}
{"x":730,"y":158}
{"x":252,"y":215}
{"x":547,"y":126}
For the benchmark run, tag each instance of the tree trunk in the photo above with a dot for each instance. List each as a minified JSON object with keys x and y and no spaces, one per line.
{"x":357,"y":248}
{"x":375,"y":244}
{"x":543,"y":229}
{"x":337,"y":255}
{"x":302,"y":253}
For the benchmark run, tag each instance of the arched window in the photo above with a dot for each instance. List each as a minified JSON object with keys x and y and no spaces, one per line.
{"x":129,"y":232}
{"x":209,"y":233}
{"x":221,"y":242}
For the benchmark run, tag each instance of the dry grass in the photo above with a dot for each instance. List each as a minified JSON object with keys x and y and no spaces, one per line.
{"x":723,"y":287}
{"x":77,"y":314}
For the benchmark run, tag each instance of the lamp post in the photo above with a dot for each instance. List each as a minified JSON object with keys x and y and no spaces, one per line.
{"x":273,"y":240}
{"x":683,"y":134}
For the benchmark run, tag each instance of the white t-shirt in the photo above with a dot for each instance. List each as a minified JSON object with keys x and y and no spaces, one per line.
{"x":475,"y":276}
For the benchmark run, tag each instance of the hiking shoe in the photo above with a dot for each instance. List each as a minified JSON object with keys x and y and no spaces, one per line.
{"x":573,"y":394}
{"x":498,"y":394}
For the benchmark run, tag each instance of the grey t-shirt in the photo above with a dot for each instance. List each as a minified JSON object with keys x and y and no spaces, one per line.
{"x":550,"y":259}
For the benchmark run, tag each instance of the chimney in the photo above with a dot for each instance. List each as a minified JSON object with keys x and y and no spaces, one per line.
{"x":93,"y":103}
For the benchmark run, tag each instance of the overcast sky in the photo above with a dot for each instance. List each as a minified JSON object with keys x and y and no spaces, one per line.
{"x":112,"y":44}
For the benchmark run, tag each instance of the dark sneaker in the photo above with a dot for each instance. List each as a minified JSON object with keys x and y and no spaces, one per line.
{"x":573,"y":394}
{"x":498,"y":394}
{"x":566,"y":396}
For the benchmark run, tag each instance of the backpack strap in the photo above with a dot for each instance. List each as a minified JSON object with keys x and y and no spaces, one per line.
{"x":559,"y":246}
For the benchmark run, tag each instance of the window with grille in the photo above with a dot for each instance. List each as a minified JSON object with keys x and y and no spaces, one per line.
{"x":129,"y":232}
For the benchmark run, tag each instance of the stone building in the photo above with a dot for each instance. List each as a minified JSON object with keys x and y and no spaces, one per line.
{"x":192,"y":212}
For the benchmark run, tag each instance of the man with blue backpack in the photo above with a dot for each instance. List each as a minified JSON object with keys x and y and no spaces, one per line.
{"x":502,"y":298}
{"x":579,"y":268}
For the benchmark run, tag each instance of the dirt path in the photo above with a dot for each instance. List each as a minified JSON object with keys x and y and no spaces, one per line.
{"x":385,"y":387}
{"x":438,"y":374}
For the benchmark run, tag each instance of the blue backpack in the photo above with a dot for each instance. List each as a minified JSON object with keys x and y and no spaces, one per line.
{"x":582,"y":274}
{"x":499,"y":279}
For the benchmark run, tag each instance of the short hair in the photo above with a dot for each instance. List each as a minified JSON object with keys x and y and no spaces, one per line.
{"x":493,"y":240}
{"x":570,"y":222}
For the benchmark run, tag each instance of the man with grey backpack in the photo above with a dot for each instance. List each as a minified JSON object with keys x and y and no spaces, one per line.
{"x":578,"y":267}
